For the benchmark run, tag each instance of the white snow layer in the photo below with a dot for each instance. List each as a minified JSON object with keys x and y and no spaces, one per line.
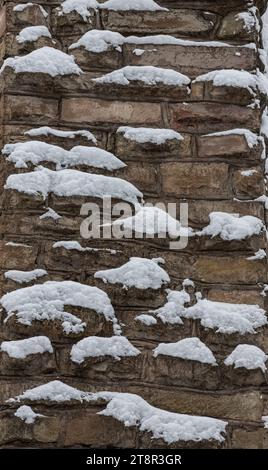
{"x":46,"y":131}
{"x":94,"y":346}
{"x":55,"y":391}
{"x":126,"y":5}
{"x":50,"y":214}
{"x":22,"y":348}
{"x":44,"y":60}
{"x":223,"y":317}
{"x":141,"y":273}
{"x":36,"y":152}
{"x":147,"y":320}
{"x":236,"y":78}
{"x":189,"y":348}
{"x":231,"y":226}
{"x":247,"y":356}
{"x":45,"y":302}
{"x":23,"y":6}
{"x":73,"y":183}
{"x":26,"y":414}
{"x":82,"y":7}
{"x":265,"y":420}
{"x":147,"y":74}
{"x":32,"y":34}
{"x":260,"y":254}
{"x":99,"y":41}
{"x":153,"y":221}
{"x":132,"y":410}
{"x":144,"y":135}
{"x":25,"y":276}
{"x":251,"y":138}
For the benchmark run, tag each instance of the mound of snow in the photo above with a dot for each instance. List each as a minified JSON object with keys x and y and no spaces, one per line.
{"x":46,"y":131}
{"x":22,"y":6}
{"x":237,"y":79}
{"x":144,"y":135}
{"x":26,"y":414}
{"x":231,"y":226}
{"x":132,"y":410}
{"x":36,"y":152}
{"x":141,"y":273}
{"x":45,"y":302}
{"x":50,"y":214}
{"x":95,"y":346}
{"x":150,"y":221}
{"x":32,"y":34}
{"x":22,"y":348}
{"x":99,"y":41}
{"x":147,"y":320}
{"x":55,"y":391}
{"x":25,"y":276}
{"x":82,"y":7}
{"x":189,"y":348}
{"x":44,"y":60}
{"x":251,"y":138}
{"x":247,"y":356}
{"x":147,"y":74}
{"x":73,"y":183}
{"x":172,"y":310}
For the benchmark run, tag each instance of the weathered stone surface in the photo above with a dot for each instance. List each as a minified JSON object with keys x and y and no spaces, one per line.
{"x":249,"y":183}
{"x":31,"y":108}
{"x":234,"y":145}
{"x":235,"y":26}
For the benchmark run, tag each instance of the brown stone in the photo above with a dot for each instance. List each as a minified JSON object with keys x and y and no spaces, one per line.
{"x":31,"y":108}
{"x":234,"y":26}
{"x":249,"y":183}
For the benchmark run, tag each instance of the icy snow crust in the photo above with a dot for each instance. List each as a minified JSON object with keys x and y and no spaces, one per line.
{"x":73,"y":183}
{"x":36,"y":152}
{"x":45,"y":302}
{"x":25,"y":347}
{"x":116,"y":347}
{"x":132,"y":410}
{"x":141,"y":273}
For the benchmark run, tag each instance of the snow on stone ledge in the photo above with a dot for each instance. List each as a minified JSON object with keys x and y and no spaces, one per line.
{"x":147,"y":74}
{"x":68,"y":183}
{"x":251,"y":138}
{"x":147,"y":320}
{"x":32,"y":34}
{"x":47,"y":131}
{"x":132,"y":5}
{"x":98,"y":41}
{"x":36,"y":152}
{"x":141,"y":273}
{"x":45,"y":302}
{"x":82,"y":7}
{"x":50,"y":214}
{"x":154,"y":221}
{"x":172,"y":310}
{"x":144,"y":135}
{"x":237,"y":79}
{"x":75,"y":245}
{"x":227,"y":318}
{"x":22,"y":348}
{"x":54,"y":391}
{"x":116,"y":347}
{"x":132,"y":410}
{"x":26,"y":414}
{"x":165,"y":39}
{"x":265,"y":421}
{"x":247,"y":356}
{"x":189,"y":348}
{"x":23,"y":6}
{"x":25,"y":276}
{"x":231,"y":226}
{"x":44,"y":60}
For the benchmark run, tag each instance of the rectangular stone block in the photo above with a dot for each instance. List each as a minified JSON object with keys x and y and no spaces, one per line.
{"x":32,"y":109}
{"x":195,"y":180}
{"x":91,"y":111}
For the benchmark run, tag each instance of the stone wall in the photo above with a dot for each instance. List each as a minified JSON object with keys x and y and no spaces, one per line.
{"x":212,"y":173}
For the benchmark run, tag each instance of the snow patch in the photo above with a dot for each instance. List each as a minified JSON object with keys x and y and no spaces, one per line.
{"x":25,"y":276}
{"x":147,"y":74}
{"x":44,"y":60}
{"x":23,"y":6}
{"x":237,"y":79}
{"x":50,"y":214}
{"x":231,"y":226}
{"x":26,"y":414}
{"x":46,"y":131}
{"x":116,"y":347}
{"x":25,"y":347}
{"x":75,"y":245}
{"x":32,"y":34}
{"x":247,"y":356}
{"x":55,"y":391}
{"x":82,"y":7}
{"x":147,"y":320}
{"x":99,"y":41}
{"x":251,"y":138}
{"x":189,"y":348}
{"x":133,"y":5}
{"x":144,"y":135}
{"x":140,"y":273}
